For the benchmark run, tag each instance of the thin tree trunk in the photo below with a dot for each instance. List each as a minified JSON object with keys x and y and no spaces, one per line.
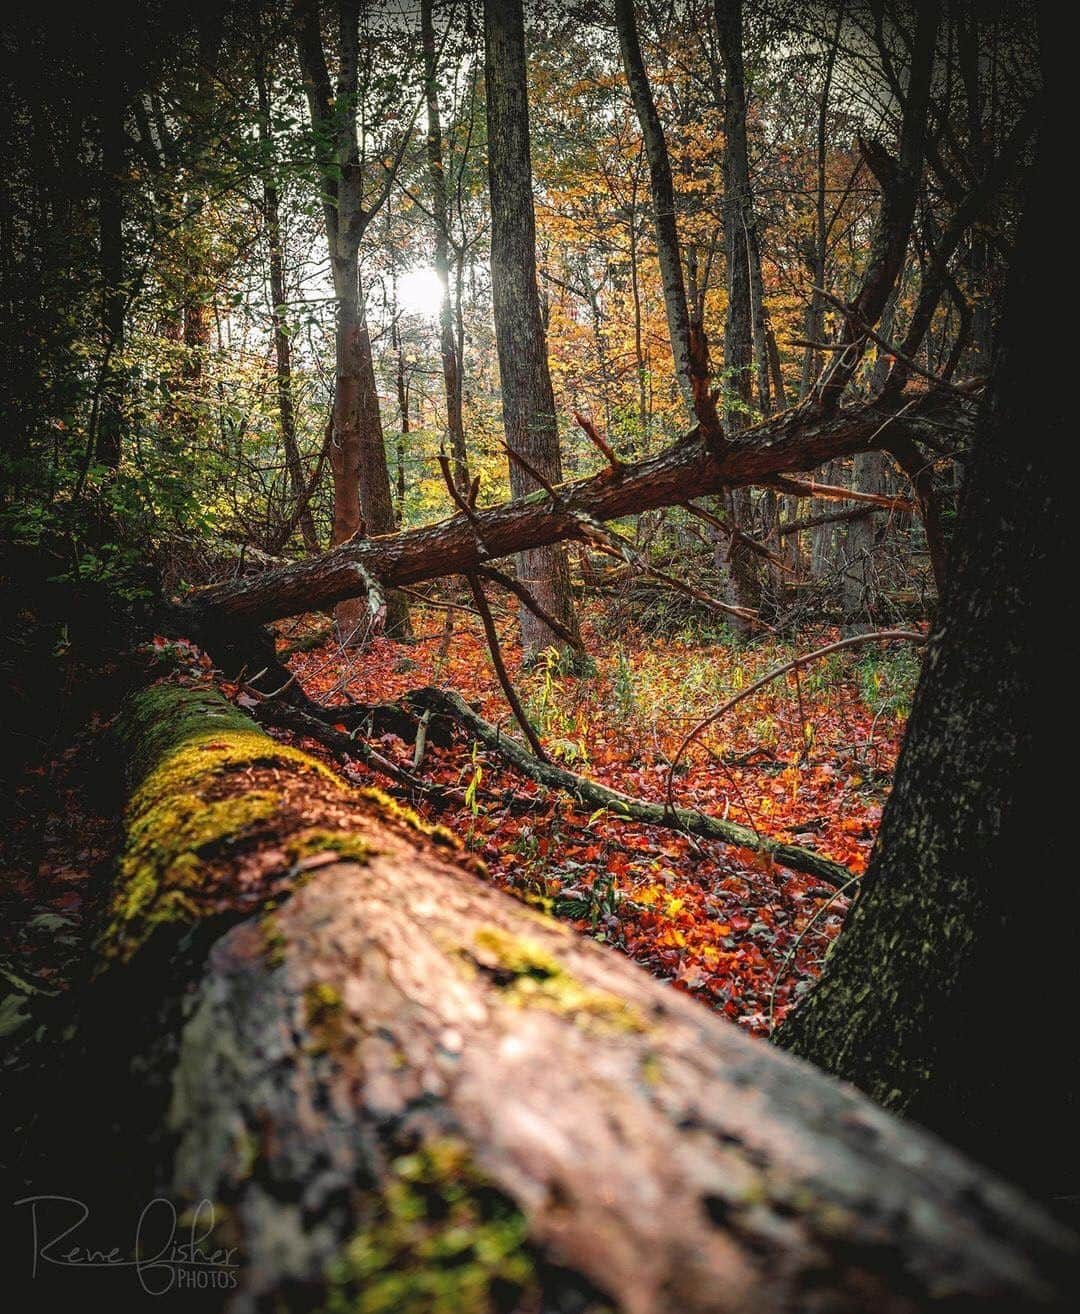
{"x":402,"y":383}
{"x":109,"y":437}
{"x":815,"y":310}
{"x":282,"y":343}
{"x":640,"y":359}
{"x":688,"y":347}
{"x":741,"y":568}
{"x":528,"y":400}
{"x":451,"y":361}
{"x":362,"y":498}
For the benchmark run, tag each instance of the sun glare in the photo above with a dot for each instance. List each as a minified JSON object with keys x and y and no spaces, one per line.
{"x":419,"y":292}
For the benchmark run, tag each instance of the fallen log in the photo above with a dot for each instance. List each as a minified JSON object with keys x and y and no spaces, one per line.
{"x":688,"y":821}
{"x":404,"y":1090}
{"x":801,"y":439}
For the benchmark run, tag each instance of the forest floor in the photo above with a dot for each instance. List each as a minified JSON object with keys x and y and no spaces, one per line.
{"x":811,"y":763}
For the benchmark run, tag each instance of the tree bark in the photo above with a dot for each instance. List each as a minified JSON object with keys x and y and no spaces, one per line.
{"x":440,"y":213}
{"x":362,"y":499}
{"x":400,"y":1088}
{"x":794,"y":441}
{"x":282,"y":343}
{"x":903,"y":1007}
{"x":529,"y":418}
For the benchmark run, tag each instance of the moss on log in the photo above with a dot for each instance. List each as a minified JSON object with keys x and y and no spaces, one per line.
{"x":405,"y":1091}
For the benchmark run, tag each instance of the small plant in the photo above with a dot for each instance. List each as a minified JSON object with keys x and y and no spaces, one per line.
{"x":887,"y":680}
{"x":766,"y":732}
{"x":623,"y":692}
{"x":563,"y":736}
{"x":819,"y":676}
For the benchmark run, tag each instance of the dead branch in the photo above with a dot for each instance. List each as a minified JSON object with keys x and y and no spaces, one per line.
{"x":500,"y":668}
{"x":595,"y":795}
{"x":519,"y":590}
{"x":910,"y":636}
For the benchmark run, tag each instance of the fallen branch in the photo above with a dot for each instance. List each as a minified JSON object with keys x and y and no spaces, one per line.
{"x":343,"y":746}
{"x":795,"y":440}
{"x":828,"y":518}
{"x":500,"y":668}
{"x":833,"y":493}
{"x":529,"y":600}
{"x":591,"y":793}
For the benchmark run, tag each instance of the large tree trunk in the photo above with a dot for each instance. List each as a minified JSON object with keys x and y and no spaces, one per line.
{"x":401,"y":1089}
{"x":532,"y":431}
{"x":919,"y":992}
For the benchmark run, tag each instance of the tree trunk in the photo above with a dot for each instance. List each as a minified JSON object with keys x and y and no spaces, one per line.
{"x":528,"y":400}
{"x":398,"y":1088}
{"x":916,"y":996}
{"x":742,"y":570}
{"x":817,"y":250}
{"x":282,"y":343}
{"x":688,"y":343}
{"x":362,"y":498}
{"x":110,"y":428}
{"x":440,"y":212}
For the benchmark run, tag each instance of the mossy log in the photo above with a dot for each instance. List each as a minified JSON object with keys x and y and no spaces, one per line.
{"x":404,"y":1090}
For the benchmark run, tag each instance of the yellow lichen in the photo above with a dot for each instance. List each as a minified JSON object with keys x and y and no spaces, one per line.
{"x":402,"y":812}
{"x":531,"y":977}
{"x":183,"y":745}
{"x":345,"y":844}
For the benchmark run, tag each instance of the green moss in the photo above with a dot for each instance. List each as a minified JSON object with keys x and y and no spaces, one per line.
{"x":440,"y":1240}
{"x":181,"y":745}
{"x":342,"y":842}
{"x":323,"y":1013}
{"x":531,"y":977}
{"x":163,"y":864}
{"x":273,"y":940}
{"x":401,"y":812}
